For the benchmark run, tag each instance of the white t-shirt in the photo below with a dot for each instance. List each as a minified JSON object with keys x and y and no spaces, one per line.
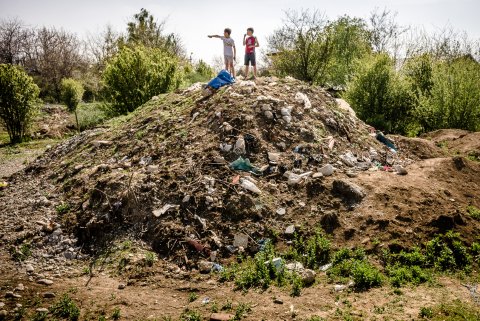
{"x":228,"y":45}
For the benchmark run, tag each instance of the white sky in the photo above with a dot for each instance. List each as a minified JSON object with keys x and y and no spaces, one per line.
{"x":194,"y":19}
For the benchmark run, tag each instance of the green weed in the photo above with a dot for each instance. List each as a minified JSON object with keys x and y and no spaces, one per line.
{"x":65,"y":308}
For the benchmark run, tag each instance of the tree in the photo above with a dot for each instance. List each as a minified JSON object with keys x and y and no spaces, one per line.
{"x":301,"y":48}
{"x":385,"y":32}
{"x":134,"y":75}
{"x":72,"y":92}
{"x":349,"y":39}
{"x":13,"y":41}
{"x":56,"y":56}
{"x":18,"y":97}
{"x":453,"y":100}
{"x":146,"y":31}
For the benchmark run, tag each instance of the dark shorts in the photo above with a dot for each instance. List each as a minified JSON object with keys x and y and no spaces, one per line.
{"x":250,"y":57}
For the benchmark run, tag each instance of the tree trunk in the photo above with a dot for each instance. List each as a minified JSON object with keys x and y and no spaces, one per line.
{"x":76,"y":119}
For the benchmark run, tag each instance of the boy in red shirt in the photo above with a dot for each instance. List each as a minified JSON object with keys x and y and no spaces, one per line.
{"x":250,"y":44}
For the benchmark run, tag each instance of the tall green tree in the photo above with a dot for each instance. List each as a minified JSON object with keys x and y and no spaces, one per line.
{"x":145,"y":30}
{"x":18,"y":101}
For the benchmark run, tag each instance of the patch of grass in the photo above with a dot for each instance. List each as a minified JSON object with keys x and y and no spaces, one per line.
{"x":214,"y":307}
{"x":150,"y":258}
{"x":92,"y":114}
{"x":348,"y":264}
{"x":40,"y":316}
{"x":228,"y":306}
{"x":62,"y":208}
{"x":474,"y":212}
{"x":21,"y":253}
{"x":456,"y":310}
{"x":116,"y":314}
{"x":315,"y":318}
{"x":190,"y":315}
{"x":241,"y":310}
{"x":65,"y":308}
{"x":192,"y":296}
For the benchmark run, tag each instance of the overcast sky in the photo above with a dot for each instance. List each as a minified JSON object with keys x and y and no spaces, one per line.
{"x":194,"y":19}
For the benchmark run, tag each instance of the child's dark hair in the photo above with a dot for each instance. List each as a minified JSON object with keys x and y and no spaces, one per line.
{"x":250,"y":29}
{"x":228,"y":30}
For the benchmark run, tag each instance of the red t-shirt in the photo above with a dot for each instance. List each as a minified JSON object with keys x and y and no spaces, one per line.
{"x":250,"y":41}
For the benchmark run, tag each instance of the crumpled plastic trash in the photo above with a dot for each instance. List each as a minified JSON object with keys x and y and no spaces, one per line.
{"x":243,"y":164}
{"x":384,"y":140}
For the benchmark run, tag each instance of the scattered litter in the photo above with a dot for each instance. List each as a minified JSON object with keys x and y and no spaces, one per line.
{"x":325,"y":267}
{"x":164,"y":209}
{"x":386,"y":141}
{"x":249,"y":186}
{"x":243,"y":164}
{"x":224,"y":147}
{"x":239,"y":148}
{"x":206,"y":300}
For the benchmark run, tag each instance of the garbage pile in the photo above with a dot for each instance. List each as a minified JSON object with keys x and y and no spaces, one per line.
{"x":203,"y":178}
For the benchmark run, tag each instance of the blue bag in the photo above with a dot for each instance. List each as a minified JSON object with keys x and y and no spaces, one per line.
{"x":223,"y":78}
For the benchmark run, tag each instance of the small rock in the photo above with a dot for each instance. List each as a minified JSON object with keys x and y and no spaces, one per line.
{"x":48,"y":295}
{"x":2,"y":304}
{"x":308,"y":276}
{"x":240,"y":240}
{"x":205,"y":266}
{"x":98,"y":143}
{"x":221,"y":317}
{"x":277,"y":301}
{"x":9,"y":294}
{"x":45,"y":282}
{"x":290,"y":230}
{"x":268,"y":114}
{"x":295,"y":266}
{"x":152,"y":169}
{"x":281,"y":211}
{"x":121,"y":286}
{"x":69,"y":255}
{"x":20,"y":287}
{"x":348,"y":189}
{"x":42,"y":310}
{"x":3,"y":313}
{"x":400,"y":170}
{"x":339,"y":287}
{"x":326,"y":170}
{"x":29,"y":268}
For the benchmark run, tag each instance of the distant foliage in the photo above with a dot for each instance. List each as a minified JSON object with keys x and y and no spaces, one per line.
{"x":381,"y":96}
{"x":453,"y":101}
{"x":136,"y":74}
{"x":18,"y":97}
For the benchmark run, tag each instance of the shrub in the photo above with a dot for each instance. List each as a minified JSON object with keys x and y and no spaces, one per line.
{"x":134,"y":75}
{"x":400,"y":275}
{"x":452,"y":101}
{"x":380,"y":96}
{"x":72,"y":92}
{"x":447,"y":252}
{"x":65,"y":308}
{"x":353,"y":264}
{"x":18,"y":96}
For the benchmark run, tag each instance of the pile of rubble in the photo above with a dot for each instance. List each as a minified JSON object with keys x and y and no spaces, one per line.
{"x":201,"y":178}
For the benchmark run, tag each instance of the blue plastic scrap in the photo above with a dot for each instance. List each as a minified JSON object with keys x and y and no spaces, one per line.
{"x":223,"y":78}
{"x":384,"y":140}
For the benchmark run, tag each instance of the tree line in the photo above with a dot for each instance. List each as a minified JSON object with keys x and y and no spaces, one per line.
{"x":398,"y":79}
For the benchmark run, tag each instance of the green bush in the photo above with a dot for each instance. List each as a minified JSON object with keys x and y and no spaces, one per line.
{"x":453,"y":100}
{"x":447,"y":252}
{"x":380,"y":96}
{"x":134,"y":75}
{"x":353,"y":264}
{"x":18,"y":97}
{"x":72,"y":93}
{"x":401,"y":275}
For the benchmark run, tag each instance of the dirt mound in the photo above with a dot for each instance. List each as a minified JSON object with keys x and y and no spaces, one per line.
{"x":417,"y":148}
{"x":457,"y":142}
{"x":169,"y":174}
